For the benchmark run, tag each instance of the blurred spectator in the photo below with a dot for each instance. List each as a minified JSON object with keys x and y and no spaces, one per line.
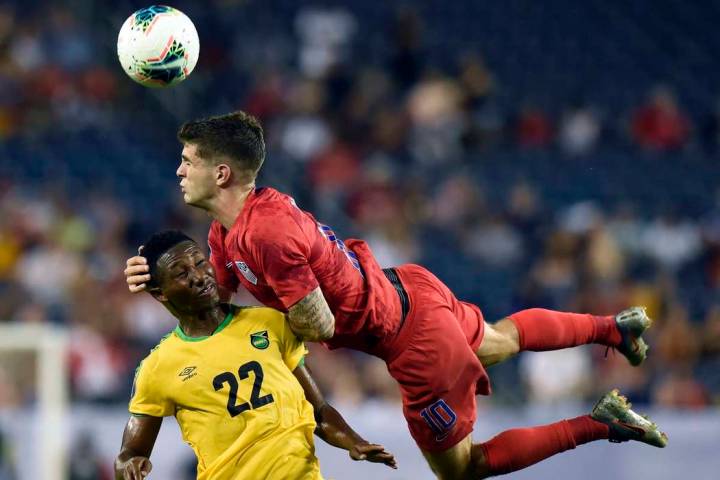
{"x":494,"y":242}
{"x":7,"y":462}
{"x":679,"y":389}
{"x":533,"y":128}
{"x":677,"y":344}
{"x":304,"y":132}
{"x":85,"y":462}
{"x":457,"y":202}
{"x":570,"y":379}
{"x":711,"y":331}
{"x":434,"y":107}
{"x":660,"y":124}
{"x":406,"y":61}
{"x":325,"y":35}
{"x":579,"y":130}
{"x":485,"y":120}
{"x":604,"y":261}
{"x":672,"y":242}
{"x":710,"y":129}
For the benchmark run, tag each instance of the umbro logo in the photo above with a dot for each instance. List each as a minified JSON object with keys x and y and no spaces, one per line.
{"x":188,"y":373}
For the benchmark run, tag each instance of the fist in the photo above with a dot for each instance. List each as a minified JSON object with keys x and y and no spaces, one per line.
{"x":137,"y":272}
{"x":135,"y":468}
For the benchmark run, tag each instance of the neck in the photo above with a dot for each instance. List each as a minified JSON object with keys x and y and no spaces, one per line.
{"x":229,"y":203}
{"x":202,"y":324}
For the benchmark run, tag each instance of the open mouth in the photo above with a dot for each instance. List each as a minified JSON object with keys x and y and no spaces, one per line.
{"x":209,"y":288}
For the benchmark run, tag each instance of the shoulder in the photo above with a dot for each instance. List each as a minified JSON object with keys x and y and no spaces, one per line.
{"x":216,"y":231}
{"x":269,"y":318}
{"x":260,"y":313}
{"x":274,"y":212}
{"x":157,"y":354}
{"x":271,"y":203}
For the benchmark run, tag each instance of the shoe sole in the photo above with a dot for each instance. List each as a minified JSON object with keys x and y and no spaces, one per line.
{"x":615,"y":411}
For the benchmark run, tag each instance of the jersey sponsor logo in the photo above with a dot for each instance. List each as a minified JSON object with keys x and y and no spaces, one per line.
{"x":246,"y":272}
{"x":440,"y":418}
{"x":260,"y":340}
{"x":187,"y":373}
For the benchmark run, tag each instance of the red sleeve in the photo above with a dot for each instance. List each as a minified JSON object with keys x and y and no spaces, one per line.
{"x":281,"y":248}
{"x":225,"y":276}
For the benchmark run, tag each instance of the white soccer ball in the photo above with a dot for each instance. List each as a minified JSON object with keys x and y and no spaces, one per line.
{"x":158,"y":46}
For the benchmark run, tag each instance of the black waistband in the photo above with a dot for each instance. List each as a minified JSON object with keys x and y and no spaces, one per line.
{"x":392,"y":275}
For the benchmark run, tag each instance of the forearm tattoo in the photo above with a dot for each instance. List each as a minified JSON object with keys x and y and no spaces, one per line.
{"x":311,"y":318}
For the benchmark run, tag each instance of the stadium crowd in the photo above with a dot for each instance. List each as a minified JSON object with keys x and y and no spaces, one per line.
{"x":514,"y":201}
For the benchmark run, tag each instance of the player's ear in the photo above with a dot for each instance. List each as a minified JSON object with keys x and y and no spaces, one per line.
{"x":157,"y":294}
{"x":223,"y":173}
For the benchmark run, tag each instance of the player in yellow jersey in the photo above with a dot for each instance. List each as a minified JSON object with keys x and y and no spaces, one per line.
{"x":234,"y":378}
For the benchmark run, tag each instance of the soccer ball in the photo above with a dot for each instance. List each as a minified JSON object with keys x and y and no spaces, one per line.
{"x":158,"y":46}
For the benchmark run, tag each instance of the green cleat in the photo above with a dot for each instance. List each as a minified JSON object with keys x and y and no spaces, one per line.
{"x":632,"y":323}
{"x":614,"y":411}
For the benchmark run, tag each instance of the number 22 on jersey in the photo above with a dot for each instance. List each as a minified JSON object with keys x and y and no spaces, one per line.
{"x":256,"y":400}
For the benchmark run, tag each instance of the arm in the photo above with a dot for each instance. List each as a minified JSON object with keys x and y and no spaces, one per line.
{"x":311,"y":318}
{"x":333,"y":429}
{"x":133,"y":462}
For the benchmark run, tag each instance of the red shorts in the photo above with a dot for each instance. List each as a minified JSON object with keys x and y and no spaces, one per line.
{"x":433,"y":359}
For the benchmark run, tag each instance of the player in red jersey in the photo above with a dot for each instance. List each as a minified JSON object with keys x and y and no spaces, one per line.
{"x":435,"y":346}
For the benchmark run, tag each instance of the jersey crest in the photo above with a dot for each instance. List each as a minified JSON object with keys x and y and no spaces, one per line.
{"x":246,"y":272}
{"x":260,"y":340}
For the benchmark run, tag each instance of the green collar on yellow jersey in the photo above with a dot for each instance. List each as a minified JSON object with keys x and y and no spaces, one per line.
{"x":225,"y":323}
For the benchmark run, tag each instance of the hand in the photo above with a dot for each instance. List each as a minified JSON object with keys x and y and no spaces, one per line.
{"x":372,"y":453}
{"x":136,"y":273}
{"x":134,"y":468}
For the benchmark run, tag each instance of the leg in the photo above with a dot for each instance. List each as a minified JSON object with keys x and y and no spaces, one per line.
{"x":519,"y":448}
{"x":453,"y":463}
{"x":538,"y":329}
{"x":541,"y":329}
{"x":515,"y":449}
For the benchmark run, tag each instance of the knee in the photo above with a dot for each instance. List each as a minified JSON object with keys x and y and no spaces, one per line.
{"x":508,"y":331}
{"x":501,"y":341}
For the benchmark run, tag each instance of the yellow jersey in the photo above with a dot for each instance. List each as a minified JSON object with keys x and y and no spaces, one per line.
{"x":235,"y":398}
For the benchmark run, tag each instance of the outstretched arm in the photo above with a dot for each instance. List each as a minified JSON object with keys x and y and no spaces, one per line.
{"x":333,"y":429}
{"x":311,"y":318}
{"x":133,"y":462}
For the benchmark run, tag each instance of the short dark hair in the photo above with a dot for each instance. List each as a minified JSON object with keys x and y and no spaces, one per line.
{"x":237,"y":135}
{"x":157,"y":245}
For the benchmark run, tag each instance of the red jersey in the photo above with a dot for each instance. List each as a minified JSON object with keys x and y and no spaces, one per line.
{"x":281,"y":253}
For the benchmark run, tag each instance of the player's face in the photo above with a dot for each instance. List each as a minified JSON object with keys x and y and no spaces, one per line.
{"x":197,"y":177}
{"x":187,"y":279}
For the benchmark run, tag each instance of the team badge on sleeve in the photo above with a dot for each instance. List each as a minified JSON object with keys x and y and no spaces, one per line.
{"x":246,"y":272}
{"x":260,"y":340}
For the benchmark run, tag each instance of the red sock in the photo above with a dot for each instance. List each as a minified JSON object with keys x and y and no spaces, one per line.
{"x":519,"y":448}
{"x":541,"y":329}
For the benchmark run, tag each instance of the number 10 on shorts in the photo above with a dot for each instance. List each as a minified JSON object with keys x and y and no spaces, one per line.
{"x":440,"y":417}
